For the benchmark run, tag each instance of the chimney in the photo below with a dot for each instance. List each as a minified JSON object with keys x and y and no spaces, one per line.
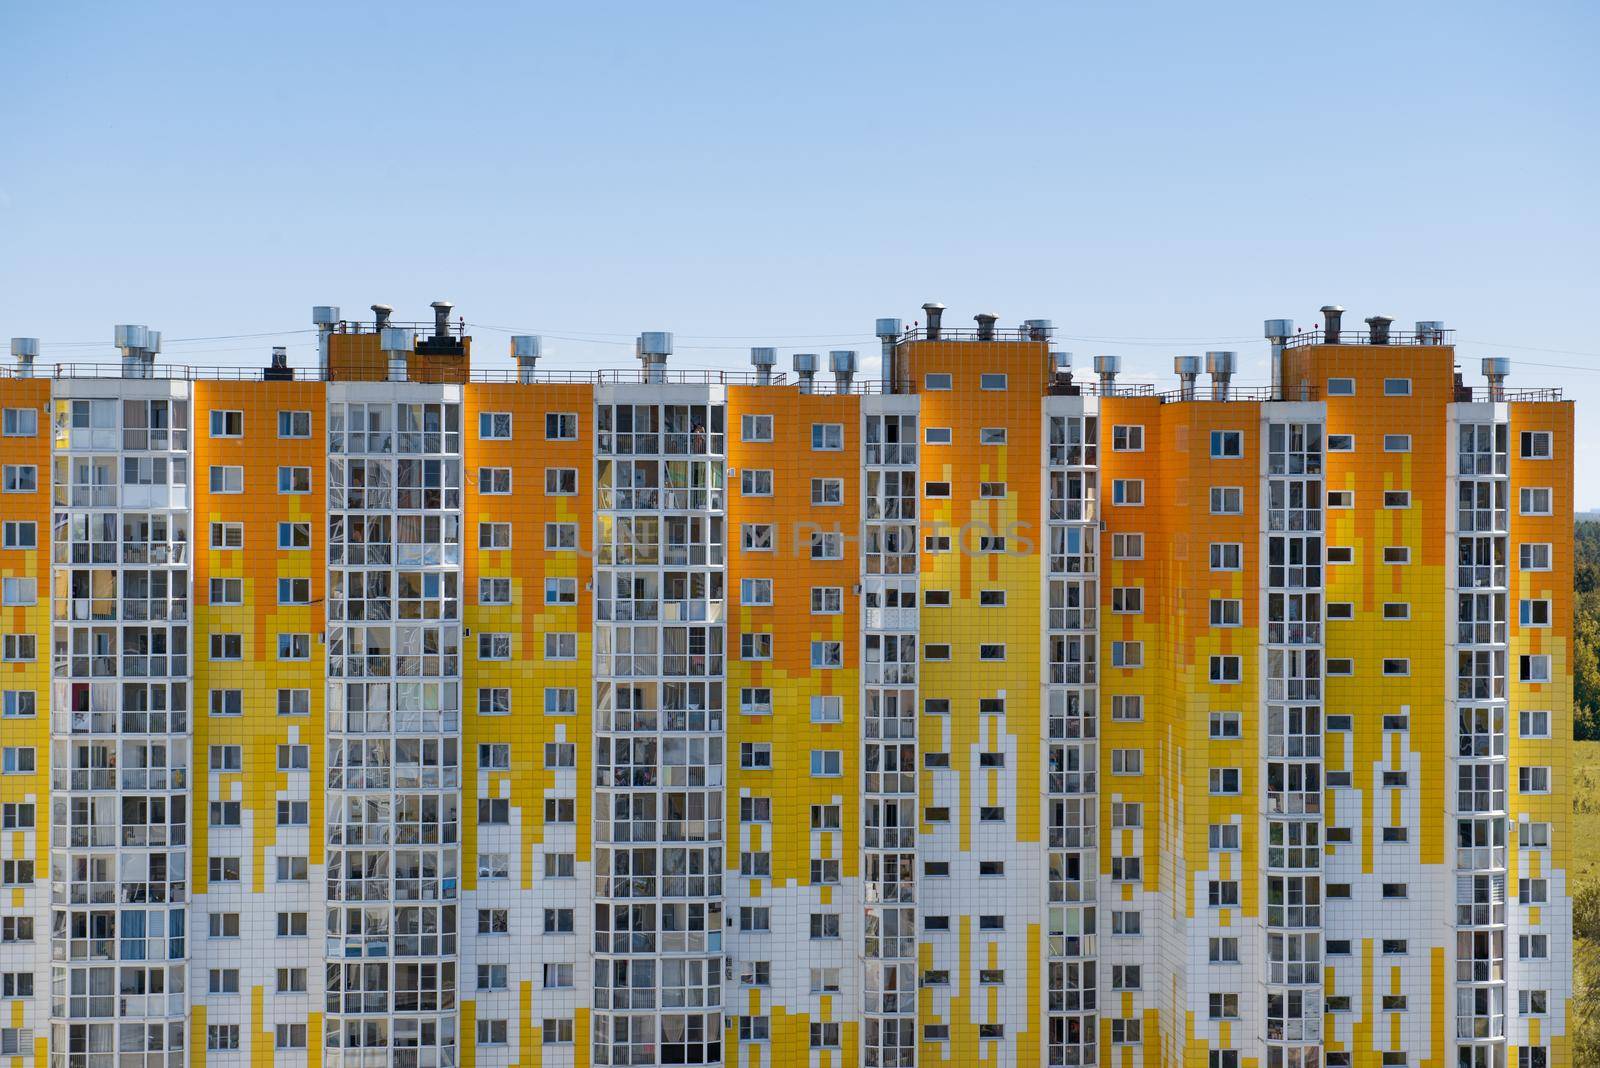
{"x":1278,"y":332}
{"x":526,"y":350}
{"x":139,"y":345}
{"x":805,"y":366}
{"x":1038,"y":329}
{"x":653,"y":348}
{"x":986,"y":321}
{"x":887,"y":331}
{"x":935,"y":313}
{"x":1331,"y":314}
{"x":1495,"y":369}
{"x":1220,"y":364}
{"x":1378,"y":329}
{"x":842,"y":362}
{"x":1188,"y":369}
{"x":1107,"y":367}
{"x":1430,"y":332}
{"x":25,"y":349}
{"x":763,"y":359}
{"x":380,"y":316}
{"x":324,"y":317}
{"x":397,"y":343}
{"x":441,"y":319}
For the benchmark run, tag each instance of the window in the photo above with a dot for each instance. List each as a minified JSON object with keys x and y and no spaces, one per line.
{"x":1396,"y":666}
{"x":756,"y":537}
{"x":19,"y":423}
{"x":292,"y":591}
{"x":227,"y":535}
{"x":1341,"y":443}
{"x":827,"y":491}
{"x":227,"y":479}
{"x":493,"y":645}
{"x":291,"y":925}
{"x":18,"y":704}
{"x":1536,"y":444}
{"x":561,"y":426}
{"x":1397,"y":387}
{"x":937,"y":435}
{"x":1396,"y":610}
{"x":827,"y":763}
{"x":755,"y":646}
{"x":755,"y":428}
{"x":827,"y":709}
{"x":294,"y":535}
{"x":992,"y":381}
{"x":936,"y":489}
{"x":1227,"y":500}
{"x":1227,"y":444}
{"x":1127,"y":761}
{"x":1533,"y":668}
{"x":1227,"y":556}
{"x":560,"y":536}
{"x":936,"y":381}
{"x":1533,"y":946}
{"x":223,"y":981}
{"x":227,"y":647}
{"x":294,"y":646}
{"x":1224,"y":725}
{"x":1534,"y":556}
{"x":1341,"y":554}
{"x":991,"y":598}
{"x":827,"y":654}
{"x":1127,"y":546}
{"x":992,"y":435}
{"x":1397,"y":443}
{"x":226,"y":702}
{"x":1534,"y":612}
{"x":1341,"y":610}
{"x":1223,"y":837}
{"x":293,"y":869}
{"x":1223,"y":780}
{"x":1533,"y":724}
{"x":755,"y":482}
{"x":1127,"y":654}
{"x":1223,"y":1006}
{"x":991,"y":490}
{"x":227,"y":424}
{"x":293,"y":702}
{"x":20,"y":478}
{"x":1533,"y":891}
{"x":1127,"y":439}
{"x":1225,"y":669}
{"x":1341,"y":387}
{"x":991,"y":651}
{"x":20,"y":535}
{"x":294,"y":813}
{"x":1127,"y":708}
{"x":1127,"y":600}
{"x":827,"y":600}
{"x":1127,"y":491}
{"x":560,"y":645}
{"x":1226,"y":612}
{"x":755,"y":1028}
{"x":755,"y":756}
{"x":494,"y":480}
{"x":1222,"y":893}
{"x":1533,"y":779}
{"x":827,"y":437}
{"x":294,"y":480}
{"x":1397,"y":554}
{"x":560,"y":481}
{"x":18,"y":592}
{"x":560,"y":591}
{"x":494,"y":591}
{"x":1534,"y":500}
{"x":222,"y":1037}
{"x":827,"y":545}
{"x":1394,"y":891}
{"x":558,"y":921}
{"x":1397,"y":498}
{"x":294,"y":424}
{"x":1529,"y":1002}
{"x":494,"y":426}
{"x":226,"y":758}
{"x":1126,"y":977}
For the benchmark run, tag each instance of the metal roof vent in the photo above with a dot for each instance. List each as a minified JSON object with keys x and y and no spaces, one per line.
{"x":1378,"y":329}
{"x":1332,"y":314}
{"x":1107,"y":367}
{"x":25,"y":349}
{"x":1187,"y":369}
{"x":1038,"y":329}
{"x":324,"y":315}
{"x":1278,"y":332}
{"x":526,"y":350}
{"x":805,"y":366}
{"x":441,"y":318}
{"x":397,"y":344}
{"x":1221,"y":366}
{"x":1496,"y":369}
{"x":653,"y":348}
{"x":887,"y":332}
{"x":1061,"y":361}
{"x":842,"y":362}
{"x":139,"y":345}
{"x":1430,"y":332}
{"x":763,"y":360}
{"x":935,"y":314}
{"x":380,"y":315}
{"x":986,"y":321}
{"x":278,"y":370}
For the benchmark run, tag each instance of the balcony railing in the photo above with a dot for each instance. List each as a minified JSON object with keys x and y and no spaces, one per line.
{"x":1361,"y":336}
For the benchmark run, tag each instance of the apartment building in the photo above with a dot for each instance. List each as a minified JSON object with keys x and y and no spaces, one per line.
{"x":405,"y":711}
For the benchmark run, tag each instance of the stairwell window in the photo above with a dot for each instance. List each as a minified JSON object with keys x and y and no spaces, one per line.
{"x":1128,"y":492}
{"x":755,"y":428}
{"x":1127,"y":654}
{"x":1536,"y":445}
{"x":1225,"y":669}
{"x":992,"y":381}
{"x":1227,"y":444}
{"x":1127,"y":438}
{"x":1397,"y":387}
{"x":827,"y":437}
{"x":1533,"y":668}
{"x":1534,"y":500}
{"x":1227,"y":500}
{"x":494,"y":426}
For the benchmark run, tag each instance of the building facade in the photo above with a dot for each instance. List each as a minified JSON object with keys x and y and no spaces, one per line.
{"x":400,"y":712}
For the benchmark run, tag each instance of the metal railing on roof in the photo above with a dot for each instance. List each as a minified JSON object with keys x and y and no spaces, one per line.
{"x":422,"y":374}
{"x":1530,"y":394}
{"x":1016,"y":333}
{"x":1358,"y":336}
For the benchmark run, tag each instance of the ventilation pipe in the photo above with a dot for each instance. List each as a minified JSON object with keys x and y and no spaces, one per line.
{"x":1278,"y":332}
{"x":526,"y":350}
{"x":1038,"y":329}
{"x":380,"y":316}
{"x":25,"y":349}
{"x":397,"y":344}
{"x":139,"y":345}
{"x":805,"y":366}
{"x":842,"y":362}
{"x":1107,"y":367}
{"x":441,"y":319}
{"x":653,"y":348}
{"x":763,"y":360}
{"x":1060,"y":362}
{"x":1378,"y":329}
{"x":1331,"y":316}
{"x":1220,"y":364}
{"x":1430,"y":332}
{"x":324,"y":317}
{"x":1496,"y":369}
{"x":986,"y":321}
{"x":1188,"y":369}
{"x":887,"y":331}
{"x":935,"y":314}
{"x":278,"y":369}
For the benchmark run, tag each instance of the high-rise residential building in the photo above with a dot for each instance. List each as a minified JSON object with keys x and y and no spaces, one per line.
{"x":397,"y":712}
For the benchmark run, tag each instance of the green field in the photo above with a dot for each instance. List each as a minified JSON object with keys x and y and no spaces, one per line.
{"x":1583,"y":1012}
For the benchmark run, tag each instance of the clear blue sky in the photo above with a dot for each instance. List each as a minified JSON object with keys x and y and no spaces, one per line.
{"x":1162,"y":173}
